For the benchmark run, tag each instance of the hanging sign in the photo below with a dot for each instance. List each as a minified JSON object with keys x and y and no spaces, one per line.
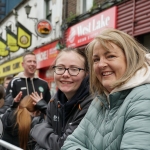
{"x":43,"y":28}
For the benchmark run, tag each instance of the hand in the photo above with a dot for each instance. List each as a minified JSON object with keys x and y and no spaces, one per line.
{"x":36,"y":97}
{"x":18,"y":97}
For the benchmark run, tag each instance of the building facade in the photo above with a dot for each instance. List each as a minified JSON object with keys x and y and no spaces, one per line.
{"x":74,"y":24}
{"x":6,"y":7}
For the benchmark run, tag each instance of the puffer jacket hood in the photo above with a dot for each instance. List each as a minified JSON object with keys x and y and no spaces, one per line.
{"x":28,"y":85}
{"x":21,"y":75}
{"x":141,"y":77}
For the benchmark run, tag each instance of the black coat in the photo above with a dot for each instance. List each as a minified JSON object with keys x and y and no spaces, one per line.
{"x":7,"y":103}
{"x":62,"y":118}
{"x":27,"y":86}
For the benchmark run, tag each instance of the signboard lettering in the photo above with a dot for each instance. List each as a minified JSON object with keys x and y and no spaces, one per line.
{"x":46,"y":55}
{"x":42,"y":56}
{"x":83,"y":32}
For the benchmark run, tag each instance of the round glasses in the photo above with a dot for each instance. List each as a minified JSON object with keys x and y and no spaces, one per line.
{"x":73,"y":71}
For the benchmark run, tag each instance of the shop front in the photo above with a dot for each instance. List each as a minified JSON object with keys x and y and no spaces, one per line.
{"x":12,"y":67}
{"x":82,"y":33}
{"x":45,"y":57}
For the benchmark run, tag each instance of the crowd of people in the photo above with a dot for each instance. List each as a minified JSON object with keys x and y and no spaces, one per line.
{"x":102,"y":101}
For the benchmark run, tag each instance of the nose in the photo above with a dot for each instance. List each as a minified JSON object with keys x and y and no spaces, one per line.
{"x":102,"y":63}
{"x":66,"y":73}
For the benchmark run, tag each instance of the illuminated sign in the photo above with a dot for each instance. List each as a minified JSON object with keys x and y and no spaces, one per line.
{"x":43,"y":28}
{"x":83,"y":32}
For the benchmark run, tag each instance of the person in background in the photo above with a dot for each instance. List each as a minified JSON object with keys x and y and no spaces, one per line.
{"x":28,"y":82}
{"x":2,"y":96}
{"x":6,"y":81}
{"x":119,"y":117}
{"x":7,"y":98}
{"x":70,"y":103}
{"x":17,"y":122}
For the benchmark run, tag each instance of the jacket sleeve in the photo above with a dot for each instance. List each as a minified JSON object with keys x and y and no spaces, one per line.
{"x":137,"y":124}
{"x":8,"y":119}
{"x":47,"y":96}
{"x":77,"y":140}
{"x":8,"y":88}
{"x":42,"y":106}
{"x":48,"y":139}
{"x":12,"y":88}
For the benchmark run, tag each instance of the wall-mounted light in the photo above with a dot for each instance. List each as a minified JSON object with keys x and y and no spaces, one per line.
{"x":28,"y":9}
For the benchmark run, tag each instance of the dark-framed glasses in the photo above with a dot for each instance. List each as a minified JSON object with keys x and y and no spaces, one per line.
{"x":73,"y":71}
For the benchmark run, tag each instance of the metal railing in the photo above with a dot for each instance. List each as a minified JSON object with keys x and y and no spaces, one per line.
{"x":9,"y":146}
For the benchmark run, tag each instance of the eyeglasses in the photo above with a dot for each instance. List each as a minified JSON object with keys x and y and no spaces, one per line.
{"x":73,"y":71}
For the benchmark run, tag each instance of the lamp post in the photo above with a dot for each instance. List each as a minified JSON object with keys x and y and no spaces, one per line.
{"x":28,"y":9}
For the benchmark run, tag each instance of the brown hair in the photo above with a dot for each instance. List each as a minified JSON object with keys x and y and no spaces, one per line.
{"x":23,"y":120}
{"x":8,"y":78}
{"x":2,"y":95}
{"x":2,"y":92}
{"x":27,"y":53}
{"x":82,"y":53}
{"x":134,"y":53}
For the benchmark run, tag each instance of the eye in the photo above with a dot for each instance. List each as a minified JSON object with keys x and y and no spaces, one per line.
{"x":96,"y":59}
{"x":73,"y":69}
{"x":59,"y":68}
{"x":111,"y":56}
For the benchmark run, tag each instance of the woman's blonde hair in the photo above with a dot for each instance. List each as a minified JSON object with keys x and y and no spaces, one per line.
{"x":23,"y":120}
{"x":134,"y":53}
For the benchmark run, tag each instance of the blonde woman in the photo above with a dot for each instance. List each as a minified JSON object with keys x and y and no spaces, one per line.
{"x":119,"y":117}
{"x":17,"y":122}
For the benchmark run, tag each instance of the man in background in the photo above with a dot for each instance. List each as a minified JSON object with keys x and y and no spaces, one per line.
{"x":6,"y":81}
{"x":27,"y":81}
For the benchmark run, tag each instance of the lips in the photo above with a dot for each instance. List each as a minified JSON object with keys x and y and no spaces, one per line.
{"x":66,"y":82}
{"x":107,"y":73}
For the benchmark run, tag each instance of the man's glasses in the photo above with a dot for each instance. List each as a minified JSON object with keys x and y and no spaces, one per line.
{"x":73,"y":71}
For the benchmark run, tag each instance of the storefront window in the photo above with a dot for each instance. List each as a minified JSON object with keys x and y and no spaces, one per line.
{"x":145,"y":40}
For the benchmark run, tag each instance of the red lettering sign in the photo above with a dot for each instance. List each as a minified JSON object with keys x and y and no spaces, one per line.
{"x":46,"y":55}
{"x":82,"y":33}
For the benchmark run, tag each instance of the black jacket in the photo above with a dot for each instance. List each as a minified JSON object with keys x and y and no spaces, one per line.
{"x":27,"y":86}
{"x":7,"y":103}
{"x":62,"y":118}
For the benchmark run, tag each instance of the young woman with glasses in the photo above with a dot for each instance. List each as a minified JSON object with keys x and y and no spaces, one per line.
{"x":69,"y":105}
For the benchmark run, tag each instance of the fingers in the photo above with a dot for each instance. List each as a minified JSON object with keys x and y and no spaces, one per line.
{"x":18,"y":97}
{"x":36,"y":97}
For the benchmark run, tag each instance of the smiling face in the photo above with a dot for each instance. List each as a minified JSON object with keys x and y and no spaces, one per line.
{"x":66,"y":83}
{"x":29,"y":64}
{"x":109,"y":65}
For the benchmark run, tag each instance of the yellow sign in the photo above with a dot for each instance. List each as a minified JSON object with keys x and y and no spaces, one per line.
{"x":11,"y":67}
{"x":24,"y":36}
{"x":3,"y":45}
{"x":11,"y":40}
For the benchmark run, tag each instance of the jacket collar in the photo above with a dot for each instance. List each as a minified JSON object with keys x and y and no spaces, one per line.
{"x":114,"y":99}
